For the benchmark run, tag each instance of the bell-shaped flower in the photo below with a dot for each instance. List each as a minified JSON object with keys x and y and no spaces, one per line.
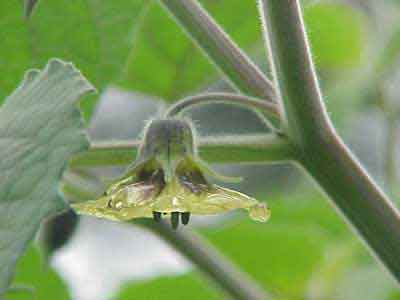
{"x":168,"y":178}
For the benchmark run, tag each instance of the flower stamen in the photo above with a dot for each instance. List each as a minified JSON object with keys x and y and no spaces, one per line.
{"x":185,"y":217}
{"x":157,"y":216}
{"x":175,"y":219}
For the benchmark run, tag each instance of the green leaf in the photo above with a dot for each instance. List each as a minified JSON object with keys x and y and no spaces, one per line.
{"x":280,"y":256}
{"x":167,"y":64}
{"x":43,"y":280}
{"x":336,"y":34}
{"x":337,"y":260}
{"x":134,"y":43}
{"x":95,"y":35}
{"x":172,"y":287}
{"x":40,"y":128}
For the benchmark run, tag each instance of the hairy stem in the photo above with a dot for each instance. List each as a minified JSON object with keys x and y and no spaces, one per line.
{"x":322,"y":153}
{"x":210,"y":262}
{"x":270,"y":109}
{"x":259,"y":148}
{"x":226,"y":55}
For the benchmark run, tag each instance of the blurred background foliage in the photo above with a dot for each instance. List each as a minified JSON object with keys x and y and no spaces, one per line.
{"x":305,"y":251}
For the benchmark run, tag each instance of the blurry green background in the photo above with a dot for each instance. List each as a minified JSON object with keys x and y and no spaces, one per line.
{"x":305,"y":251}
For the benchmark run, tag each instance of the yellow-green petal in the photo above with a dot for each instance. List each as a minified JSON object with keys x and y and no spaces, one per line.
{"x":141,"y":200}
{"x":125,"y":203}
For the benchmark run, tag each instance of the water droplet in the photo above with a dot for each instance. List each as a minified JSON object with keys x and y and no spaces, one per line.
{"x":259,"y":212}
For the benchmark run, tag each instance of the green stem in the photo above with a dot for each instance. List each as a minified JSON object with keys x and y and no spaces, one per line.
{"x":226,"y":55}
{"x":321,"y":152}
{"x":29,"y":5}
{"x":390,"y":173}
{"x":230,"y":279}
{"x":270,"y":109}
{"x":259,"y":148}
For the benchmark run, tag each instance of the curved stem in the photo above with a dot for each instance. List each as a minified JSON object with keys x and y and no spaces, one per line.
{"x":270,"y":109}
{"x":322,"y":152}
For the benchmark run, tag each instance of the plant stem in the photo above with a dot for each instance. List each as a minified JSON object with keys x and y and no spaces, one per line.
{"x":229,"y":278}
{"x":258,"y":148}
{"x":29,"y":5}
{"x":226,"y":55}
{"x":390,"y":170}
{"x":321,"y":152}
{"x":271,"y":109}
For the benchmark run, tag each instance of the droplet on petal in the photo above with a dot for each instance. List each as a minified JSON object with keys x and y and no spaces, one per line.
{"x":259,"y":212}
{"x":118,"y":204}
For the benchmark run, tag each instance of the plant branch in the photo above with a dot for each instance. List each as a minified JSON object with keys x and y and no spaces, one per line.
{"x":270,"y":109}
{"x":321,"y":152}
{"x":226,"y":55}
{"x":390,"y":153}
{"x":259,"y":148}
{"x":29,"y":5}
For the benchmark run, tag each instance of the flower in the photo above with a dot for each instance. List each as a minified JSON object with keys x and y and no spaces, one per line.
{"x":167,"y":178}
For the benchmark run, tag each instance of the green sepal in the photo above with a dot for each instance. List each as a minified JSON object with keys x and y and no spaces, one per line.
{"x":204,"y":168}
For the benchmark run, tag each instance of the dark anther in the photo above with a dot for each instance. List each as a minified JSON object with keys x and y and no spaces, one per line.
{"x":185,"y":218}
{"x":157,"y":216}
{"x":109,"y":204}
{"x":175,"y":220}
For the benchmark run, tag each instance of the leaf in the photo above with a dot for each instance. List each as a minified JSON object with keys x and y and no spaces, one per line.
{"x":336,"y":35}
{"x":166,"y":63}
{"x":40,"y":128}
{"x":190,"y":286}
{"x":134,"y":43}
{"x":96,"y":35}
{"x":44,"y":281}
